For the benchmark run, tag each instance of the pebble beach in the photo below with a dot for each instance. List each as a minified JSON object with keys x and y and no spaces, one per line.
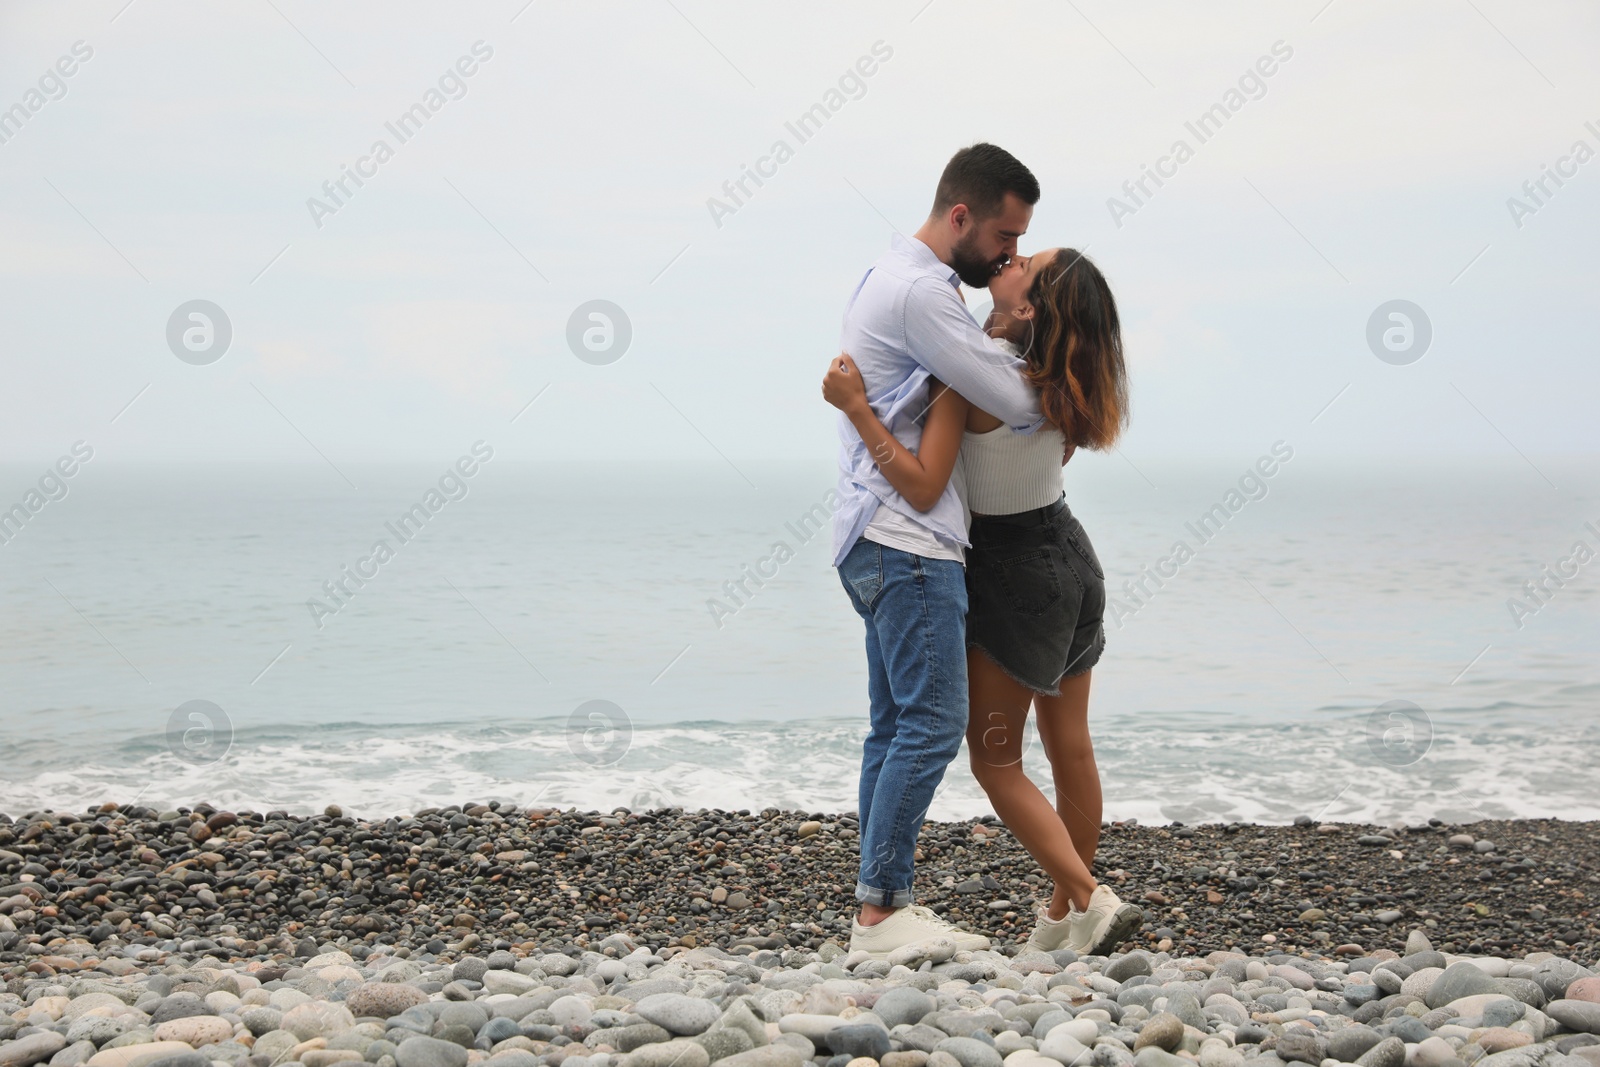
{"x":484,"y":933}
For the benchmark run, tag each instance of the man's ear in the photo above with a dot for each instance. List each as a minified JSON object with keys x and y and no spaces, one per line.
{"x":959,"y":217}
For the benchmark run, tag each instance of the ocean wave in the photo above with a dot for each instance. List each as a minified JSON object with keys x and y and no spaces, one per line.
{"x":1186,"y":767}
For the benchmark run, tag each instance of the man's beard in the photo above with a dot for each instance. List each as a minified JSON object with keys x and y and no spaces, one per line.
{"x":969,"y":267}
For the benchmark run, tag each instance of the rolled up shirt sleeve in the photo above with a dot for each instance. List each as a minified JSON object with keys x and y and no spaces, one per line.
{"x":942,"y":337}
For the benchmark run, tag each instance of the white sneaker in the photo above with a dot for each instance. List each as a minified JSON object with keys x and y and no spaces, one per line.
{"x":1051,"y":934}
{"x":1104,"y":924}
{"x":909,"y":926}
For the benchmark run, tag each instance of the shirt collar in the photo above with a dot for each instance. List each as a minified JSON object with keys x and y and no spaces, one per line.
{"x":920,"y":254}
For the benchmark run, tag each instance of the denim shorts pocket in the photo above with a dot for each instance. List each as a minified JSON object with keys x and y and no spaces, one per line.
{"x":1031,"y":582}
{"x":1078,"y":538}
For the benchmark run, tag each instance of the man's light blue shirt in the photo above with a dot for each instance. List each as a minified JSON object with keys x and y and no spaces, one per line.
{"x":904,"y":323}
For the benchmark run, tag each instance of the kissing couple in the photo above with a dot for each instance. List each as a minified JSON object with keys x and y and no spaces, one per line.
{"x":981,"y":594}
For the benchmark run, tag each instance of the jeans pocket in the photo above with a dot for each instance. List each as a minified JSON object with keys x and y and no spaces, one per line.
{"x":1031,"y":582}
{"x":862,"y":570}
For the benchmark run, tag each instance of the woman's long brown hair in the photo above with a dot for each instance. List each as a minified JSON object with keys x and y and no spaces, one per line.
{"x":1074,"y":353}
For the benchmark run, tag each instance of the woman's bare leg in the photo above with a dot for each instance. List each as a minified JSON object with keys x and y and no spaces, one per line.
{"x":999,"y":712}
{"x":1063,"y":724}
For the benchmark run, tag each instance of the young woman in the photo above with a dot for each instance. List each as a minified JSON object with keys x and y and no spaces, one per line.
{"x":1035,"y":589}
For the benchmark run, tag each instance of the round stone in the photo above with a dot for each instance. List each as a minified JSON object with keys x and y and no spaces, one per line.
{"x":1580,"y":1015}
{"x":179,"y":1059}
{"x":1164,"y":1030}
{"x":1434,"y":1052}
{"x":967,"y":1051}
{"x":1125,"y":967}
{"x":679,"y":1014}
{"x":1409,"y":1028}
{"x":1460,"y":979}
{"x":1082,"y":1030}
{"x":570,"y":1011}
{"x":514,"y":1057}
{"x":196,"y":1030}
{"x":1063,"y":1047}
{"x":679,"y":1053}
{"x":1503,"y":1011}
{"x":498,"y":981}
{"x":317,"y":1018}
{"x":777,"y":1054}
{"x":902,"y":1004}
{"x":720,"y":1043}
{"x":26,"y":1051}
{"x":261,"y":1019}
{"x":628,"y":1038}
{"x":382,"y":1000}
{"x":497,"y":1030}
{"x":738,"y":1016}
{"x":1151,"y":1056}
{"x":1390,"y":1052}
{"x":467,"y":1014}
{"x":461,"y":1035}
{"x":179,"y":1006}
{"x":911,"y":1057}
{"x":913,"y":956}
{"x":1301,"y":1044}
{"x":328,"y":1057}
{"x":1217,"y":1053}
{"x":859,"y":1039}
{"x":1348,"y":1044}
{"x":1420,"y":981}
{"x":123,"y":1055}
{"x":1500,"y":1038}
{"x":274,"y":1045}
{"x":423,"y":1051}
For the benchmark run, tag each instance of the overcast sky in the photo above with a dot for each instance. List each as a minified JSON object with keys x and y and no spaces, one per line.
{"x":425,"y":308}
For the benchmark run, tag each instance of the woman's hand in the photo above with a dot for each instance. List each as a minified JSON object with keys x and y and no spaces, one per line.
{"x":842,"y":385}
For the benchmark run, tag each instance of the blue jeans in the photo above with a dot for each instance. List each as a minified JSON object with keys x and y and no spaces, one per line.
{"x":915,"y":610}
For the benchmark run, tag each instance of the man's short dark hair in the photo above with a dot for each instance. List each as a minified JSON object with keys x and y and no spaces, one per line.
{"x":980,"y":176}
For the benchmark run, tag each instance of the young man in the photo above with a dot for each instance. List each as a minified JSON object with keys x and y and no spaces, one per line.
{"x":902,"y":568}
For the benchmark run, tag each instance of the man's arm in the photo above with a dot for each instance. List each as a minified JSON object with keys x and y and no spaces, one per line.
{"x":942,"y":337}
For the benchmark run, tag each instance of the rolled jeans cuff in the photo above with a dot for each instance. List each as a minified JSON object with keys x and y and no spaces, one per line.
{"x":883,"y":898}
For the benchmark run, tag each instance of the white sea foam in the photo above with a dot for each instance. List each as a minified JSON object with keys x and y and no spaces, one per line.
{"x":1156,"y":768}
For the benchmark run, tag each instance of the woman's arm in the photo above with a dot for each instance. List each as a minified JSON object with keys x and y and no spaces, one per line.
{"x":918,"y":476}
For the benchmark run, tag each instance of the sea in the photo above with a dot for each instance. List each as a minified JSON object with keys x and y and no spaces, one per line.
{"x":1382,"y":642}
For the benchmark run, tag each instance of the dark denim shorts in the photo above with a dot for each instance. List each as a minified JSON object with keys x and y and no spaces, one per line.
{"x":1036,"y":595}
